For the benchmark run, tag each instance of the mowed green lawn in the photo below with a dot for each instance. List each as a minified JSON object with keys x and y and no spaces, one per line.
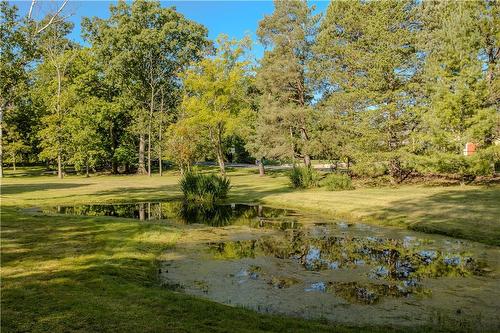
{"x":90,"y":274}
{"x":470,"y":212}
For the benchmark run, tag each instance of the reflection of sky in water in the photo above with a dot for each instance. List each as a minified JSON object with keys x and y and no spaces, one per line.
{"x":396,"y":267}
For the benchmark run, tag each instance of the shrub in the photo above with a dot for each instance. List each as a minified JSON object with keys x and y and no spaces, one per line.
{"x":337,"y":182}
{"x":204,"y":187}
{"x":303,"y":177}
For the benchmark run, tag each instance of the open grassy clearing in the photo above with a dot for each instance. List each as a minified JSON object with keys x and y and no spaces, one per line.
{"x":62,"y":273}
{"x":470,"y":212}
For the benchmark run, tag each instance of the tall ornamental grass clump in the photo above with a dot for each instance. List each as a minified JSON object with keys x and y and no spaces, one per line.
{"x":337,"y":182}
{"x":303,"y":177}
{"x":207,"y":188}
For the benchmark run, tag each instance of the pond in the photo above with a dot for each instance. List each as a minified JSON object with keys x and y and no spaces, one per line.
{"x":188,"y":213}
{"x":287,"y":262}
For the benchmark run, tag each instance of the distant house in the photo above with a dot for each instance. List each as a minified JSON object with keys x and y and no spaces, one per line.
{"x":470,"y":149}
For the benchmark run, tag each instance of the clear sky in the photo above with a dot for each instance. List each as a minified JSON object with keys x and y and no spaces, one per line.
{"x":234,"y":18}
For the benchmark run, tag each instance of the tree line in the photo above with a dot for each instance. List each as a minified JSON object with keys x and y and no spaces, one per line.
{"x":383,"y":87}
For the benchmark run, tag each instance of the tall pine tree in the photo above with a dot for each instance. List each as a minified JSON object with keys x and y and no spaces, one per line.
{"x":368,"y":63}
{"x":283,"y":128}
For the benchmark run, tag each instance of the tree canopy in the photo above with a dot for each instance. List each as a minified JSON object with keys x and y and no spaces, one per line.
{"x":381,"y":88}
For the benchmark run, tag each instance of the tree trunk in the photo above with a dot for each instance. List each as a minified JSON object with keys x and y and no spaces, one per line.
{"x":1,"y":141}
{"x":87,"y":169}
{"x":114,"y":167}
{"x":305,"y":138}
{"x":142,"y":212}
{"x":220,"y":152}
{"x":151,"y":109}
{"x":395,"y":171}
{"x":217,"y":143}
{"x":262,"y":171}
{"x":59,"y":165}
{"x":220,"y":160}
{"x":149,"y":150}
{"x":292,"y":147}
{"x":59,"y":157}
{"x":14,"y":162}
{"x":142,"y":169}
{"x":114,"y":164}
{"x":160,"y":156}
{"x":307,"y":160}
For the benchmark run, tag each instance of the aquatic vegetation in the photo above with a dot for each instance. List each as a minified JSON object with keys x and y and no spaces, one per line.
{"x":233,"y":250}
{"x":198,"y":187}
{"x":201,"y":285}
{"x":388,"y":259}
{"x":281,"y":282}
{"x":368,"y":293}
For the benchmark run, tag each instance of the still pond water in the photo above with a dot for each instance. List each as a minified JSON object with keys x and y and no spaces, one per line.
{"x":282,"y":261}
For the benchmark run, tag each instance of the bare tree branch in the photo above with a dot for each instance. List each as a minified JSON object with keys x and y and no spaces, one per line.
{"x":53,"y":17}
{"x":31,"y":9}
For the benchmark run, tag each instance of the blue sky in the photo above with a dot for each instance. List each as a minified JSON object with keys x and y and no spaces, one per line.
{"x":234,"y":18}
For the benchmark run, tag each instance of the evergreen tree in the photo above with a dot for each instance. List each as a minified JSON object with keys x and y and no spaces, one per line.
{"x":368,"y":63}
{"x":283,"y":128}
{"x":461,"y":45}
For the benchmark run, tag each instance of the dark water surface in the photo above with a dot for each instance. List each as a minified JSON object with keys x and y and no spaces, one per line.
{"x":212,"y":215}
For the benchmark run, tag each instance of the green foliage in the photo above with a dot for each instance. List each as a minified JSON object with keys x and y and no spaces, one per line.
{"x":337,"y":182}
{"x":368,"y":62}
{"x":303,"y":177}
{"x":184,"y":144}
{"x":481,"y":163}
{"x":142,"y":48}
{"x":283,"y":125}
{"x":215,"y":100}
{"x":207,"y":188}
{"x":386,"y":87}
{"x":459,"y":81}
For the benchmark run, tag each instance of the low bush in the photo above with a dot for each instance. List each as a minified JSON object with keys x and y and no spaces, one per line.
{"x":337,"y":182}
{"x":204,"y":187}
{"x":303,"y":177}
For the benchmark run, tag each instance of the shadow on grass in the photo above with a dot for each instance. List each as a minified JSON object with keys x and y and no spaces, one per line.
{"x":162,"y":192}
{"x":25,"y":172}
{"x":24,"y":188}
{"x":471,"y":214}
{"x":248,"y":193}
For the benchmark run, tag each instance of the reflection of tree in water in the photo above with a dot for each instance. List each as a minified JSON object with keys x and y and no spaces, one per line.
{"x":395,"y":270}
{"x":122,"y":210}
{"x":233,"y":214}
{"x":388,"y":257}
{"x":256,"y":216}
{"x":206,"y":213}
